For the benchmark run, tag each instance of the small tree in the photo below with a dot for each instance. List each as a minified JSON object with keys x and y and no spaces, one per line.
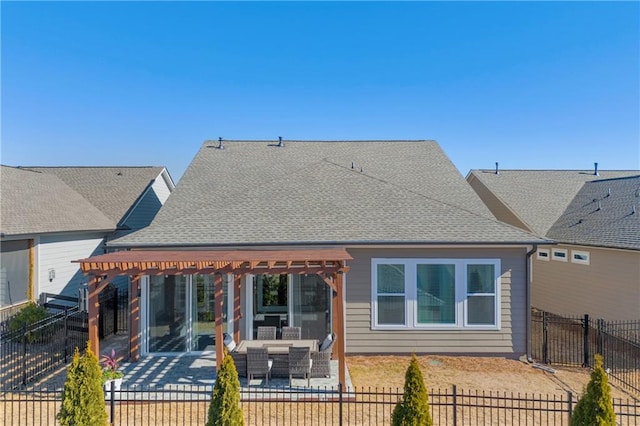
{"x":413,"y":409}
{"x":82,"y":395}
{"x":595,"y":407}
{"x":224,"y":409}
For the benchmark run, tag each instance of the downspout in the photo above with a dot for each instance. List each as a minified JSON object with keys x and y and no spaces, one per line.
{"x":528,"y":268}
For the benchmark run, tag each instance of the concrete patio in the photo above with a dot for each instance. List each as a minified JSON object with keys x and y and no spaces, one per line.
{"x":184,"y":371}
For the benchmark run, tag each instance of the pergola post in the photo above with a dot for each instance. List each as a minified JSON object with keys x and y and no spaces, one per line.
{"x":237,"y":309}
{"x":218,"y":299}
{"x":134,"y":318}
{"x":340,"y":329}
{"x":93,"y":311}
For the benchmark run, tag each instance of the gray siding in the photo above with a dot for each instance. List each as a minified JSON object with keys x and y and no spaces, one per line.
{"x":149,"y":204}
{"x":609,"y":287}
{"x":58,"y":252}
{"x":509,"y":341}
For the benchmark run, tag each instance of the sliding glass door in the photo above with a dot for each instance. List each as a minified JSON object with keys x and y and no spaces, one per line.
{"x":180,"y":313}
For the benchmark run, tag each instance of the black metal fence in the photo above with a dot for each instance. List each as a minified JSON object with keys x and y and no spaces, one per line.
{"x":574,"y":340}
{"x":188,"y":405}
{"x":37,"y":349}
{"x":114,"y":311}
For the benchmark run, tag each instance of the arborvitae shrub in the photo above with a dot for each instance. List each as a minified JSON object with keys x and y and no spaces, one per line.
{"x":595,"y":408}
{"x":413,"y":409}
{"x":82,"y":395}
{"x":224,"y":409}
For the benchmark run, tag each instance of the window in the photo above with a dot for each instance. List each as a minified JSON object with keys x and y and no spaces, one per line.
{"x":559,"y":254}
{"x":543,"y":254}
{"x":435,"y":293}
{"x":580,"y":257}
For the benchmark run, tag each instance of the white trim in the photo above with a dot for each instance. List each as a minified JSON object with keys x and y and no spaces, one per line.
{"x":461,"y":295}
{"x":555,"y":255}
{"x":586,"y":254}
{"x":543,"y":254}
{"x":248,"y":307}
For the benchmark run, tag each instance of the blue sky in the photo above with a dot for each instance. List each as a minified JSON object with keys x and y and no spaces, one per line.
{"x":538,"y":85}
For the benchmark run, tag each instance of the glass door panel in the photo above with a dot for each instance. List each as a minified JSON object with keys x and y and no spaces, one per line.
{"x":270,"y":301}
{"x":203,"y":328}
{"x":311,"y":306}
{"x":167,"y":319}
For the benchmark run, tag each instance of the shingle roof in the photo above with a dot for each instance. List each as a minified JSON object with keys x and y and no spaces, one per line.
{"x":113,"y":190}
{"x":604,"y":213}
{"x":34,"y":203}
{"x":307,"y":192}
{"x":541,"y":197}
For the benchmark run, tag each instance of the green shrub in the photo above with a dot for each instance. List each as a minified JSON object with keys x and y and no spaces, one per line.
{"x":82,"y":395}
{"x":413,"y":408}
{"x":224,"y":409}
{"x":30,"y":314}
{"x":595,"y":408}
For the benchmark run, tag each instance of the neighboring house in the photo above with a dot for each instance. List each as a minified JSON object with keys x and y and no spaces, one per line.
{"x":53,"y":215}
{"x":594,"y":218}
{"x":432,"y":270}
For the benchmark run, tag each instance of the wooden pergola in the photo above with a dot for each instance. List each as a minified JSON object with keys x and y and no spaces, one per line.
{"x":328,"y":264}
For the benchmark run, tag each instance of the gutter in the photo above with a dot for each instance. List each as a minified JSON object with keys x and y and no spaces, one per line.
{"x":528,"y":268}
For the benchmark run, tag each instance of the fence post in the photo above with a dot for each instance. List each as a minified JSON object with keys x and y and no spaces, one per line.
{"x":340,"y":403}
{"x":586,"y":325}
{"x":66,"y":335}
{"x":455,"y":405}
{"x":601,"y":328}
{"x":570,"y":404}
{"x":112,"y":385}
{"x":545,"y":354}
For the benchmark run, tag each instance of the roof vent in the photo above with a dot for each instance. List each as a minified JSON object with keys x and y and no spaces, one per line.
{"x":280,"y":142}
{"x":353,"y":164}
{"x":599,"y":206}
{"x":595,"y":169}
{"x":220,"y":146}
{"x":633,"y":209}
{"x":609,"y":192}
{"x":361,"y":169}
{"x":497,"y":170}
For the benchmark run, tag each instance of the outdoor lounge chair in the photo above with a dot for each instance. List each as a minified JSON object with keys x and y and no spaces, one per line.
{"x":321,"y":366}
{"x":291,"y":333}
{"x":266,"y":333}
{"x":300,"y":363}
{"x":258,"y":363}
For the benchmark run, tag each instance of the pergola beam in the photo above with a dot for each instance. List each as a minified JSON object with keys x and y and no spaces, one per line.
{"x":328,"y":264}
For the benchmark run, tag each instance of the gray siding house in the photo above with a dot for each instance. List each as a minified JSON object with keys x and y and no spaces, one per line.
{"x":432,"y":271}
{"x":593,"y":217}
{"x":53,"y":215}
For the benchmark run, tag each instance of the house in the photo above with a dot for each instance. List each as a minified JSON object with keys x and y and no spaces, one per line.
{"x":382,"y":242}
{"x":592,"y":216}
{"x":53,"y":215}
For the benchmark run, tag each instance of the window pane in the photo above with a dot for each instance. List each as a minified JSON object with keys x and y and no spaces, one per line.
{"x":436,"y":294}
{"x":481,"y":310}
{"x":480,"y":279}
{"x":390,"y":279}
{"x":391,"y":310}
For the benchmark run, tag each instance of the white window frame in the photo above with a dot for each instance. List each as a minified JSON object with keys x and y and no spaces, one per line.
{"x":554,"y":255}
{"x":545,"y":256}
{"x":586,"y":261}
{"x":411,"y":315}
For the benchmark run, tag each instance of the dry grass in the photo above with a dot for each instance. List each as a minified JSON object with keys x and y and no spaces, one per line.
{"x":472,"y":373}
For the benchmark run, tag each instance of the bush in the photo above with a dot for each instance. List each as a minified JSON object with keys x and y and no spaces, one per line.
{"x":413,"y":408}
{"x":595,"y":407}
{"x":82,"y":395}
{"x":31,"y":313}
{"x":224,"y":409}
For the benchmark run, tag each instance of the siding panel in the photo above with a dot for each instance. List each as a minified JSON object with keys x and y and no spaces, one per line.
{"x":506,"y":342}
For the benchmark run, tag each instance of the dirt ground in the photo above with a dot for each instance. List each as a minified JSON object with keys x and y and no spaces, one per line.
{"x":473,"y":373}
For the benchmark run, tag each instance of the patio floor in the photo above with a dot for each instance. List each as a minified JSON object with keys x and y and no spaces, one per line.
{"x":172,"y":372}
